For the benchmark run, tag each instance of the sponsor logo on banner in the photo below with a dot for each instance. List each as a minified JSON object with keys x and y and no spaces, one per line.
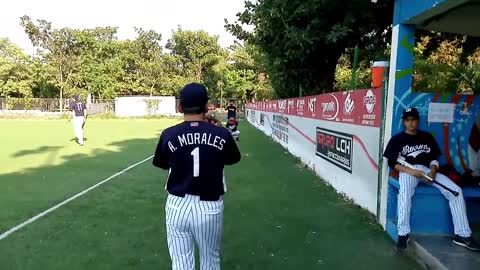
{"x":300,"y":105}
{"x":330,"y":109}
{"x":349,"y":104}
{"x":335,"y":147}
{"x":369,"y":100}
{"x":262,"y":119}
{"x":291,"y":105}
{"x":348,"y":107}
{"x":253,"y":118}
{"x":280,"y":128}
{"x":282,"y":105}
{"x":311,"y":105}
{"x":358,"y":107}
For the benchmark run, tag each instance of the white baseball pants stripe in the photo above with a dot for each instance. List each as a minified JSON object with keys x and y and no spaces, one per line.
{"x":77,"y":127}
{"x":190,"y":221}
{"x":408,"y":183}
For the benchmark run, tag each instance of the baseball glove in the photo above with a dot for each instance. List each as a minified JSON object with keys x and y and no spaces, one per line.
{"x":212,"y":120}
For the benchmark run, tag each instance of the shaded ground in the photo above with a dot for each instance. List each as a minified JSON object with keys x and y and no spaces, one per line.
{"x":277,"y":214}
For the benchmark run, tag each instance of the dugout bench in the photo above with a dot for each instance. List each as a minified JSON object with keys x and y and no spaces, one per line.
{"x":430,"y":212}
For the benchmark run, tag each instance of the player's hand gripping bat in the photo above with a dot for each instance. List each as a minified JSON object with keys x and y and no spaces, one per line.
{"x":403,"y":162}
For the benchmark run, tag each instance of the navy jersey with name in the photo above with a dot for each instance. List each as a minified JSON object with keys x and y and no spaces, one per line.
{"x":231,"y":111}
{"x":78,"y":108}
{"x":418,"y":149}
{"x":195,"y":154}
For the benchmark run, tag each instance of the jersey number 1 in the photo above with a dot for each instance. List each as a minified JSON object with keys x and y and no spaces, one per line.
{"x":196,"y":161}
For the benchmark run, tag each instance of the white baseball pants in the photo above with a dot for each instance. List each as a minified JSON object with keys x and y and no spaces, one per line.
{"x":77,"y":127}
{"x":408,"y":183}
{"x":190,"y":221}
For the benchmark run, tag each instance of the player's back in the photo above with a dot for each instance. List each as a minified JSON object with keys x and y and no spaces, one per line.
{"x":196,"y":153}
{"x":78,"y":107}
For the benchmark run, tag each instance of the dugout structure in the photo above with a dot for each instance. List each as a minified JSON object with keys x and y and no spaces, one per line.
{"x":454,"y":137}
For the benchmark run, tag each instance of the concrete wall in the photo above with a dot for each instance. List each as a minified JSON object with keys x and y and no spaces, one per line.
{"x":337,"y":135}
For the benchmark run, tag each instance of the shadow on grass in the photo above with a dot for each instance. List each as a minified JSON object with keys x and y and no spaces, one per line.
{"x":33,"y":190}
{"x":39,"y":150}
{"x":277,"y":216}
{"x":75,"y":139}
{"x":73,"y":236}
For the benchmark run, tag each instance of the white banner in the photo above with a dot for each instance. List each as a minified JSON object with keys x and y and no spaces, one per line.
{"x":144,"y":106}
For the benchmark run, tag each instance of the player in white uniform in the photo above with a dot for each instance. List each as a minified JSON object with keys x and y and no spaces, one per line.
{"x":421,"y":150}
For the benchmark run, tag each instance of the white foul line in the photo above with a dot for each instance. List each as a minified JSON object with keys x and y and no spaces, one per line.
{"x":25,"y":223}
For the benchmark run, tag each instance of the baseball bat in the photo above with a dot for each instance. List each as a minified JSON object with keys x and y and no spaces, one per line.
{"x":403,"y":162}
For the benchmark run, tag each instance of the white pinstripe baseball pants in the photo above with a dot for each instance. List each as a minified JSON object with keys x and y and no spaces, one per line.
{"x":408,"y":183}
{"x":190,"y":221}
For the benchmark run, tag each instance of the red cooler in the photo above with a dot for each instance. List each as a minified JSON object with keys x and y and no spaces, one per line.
{"x":378,"y":68}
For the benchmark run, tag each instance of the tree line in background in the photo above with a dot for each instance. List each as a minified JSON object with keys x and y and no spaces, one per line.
{"x":95,"y":61}
{"x":309,"y":44}
{"x":297,"y":47}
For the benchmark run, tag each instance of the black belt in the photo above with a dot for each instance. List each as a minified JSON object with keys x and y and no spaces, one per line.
{"x":208,"y":198}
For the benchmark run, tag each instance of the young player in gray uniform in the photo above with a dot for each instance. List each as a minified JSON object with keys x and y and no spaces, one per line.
{"x":420,"y":149}
{"x":195,"y":153}
{"x":79,"y":112}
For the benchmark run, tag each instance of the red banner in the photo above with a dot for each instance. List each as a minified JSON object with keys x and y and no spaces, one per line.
{"x":359,"y":107}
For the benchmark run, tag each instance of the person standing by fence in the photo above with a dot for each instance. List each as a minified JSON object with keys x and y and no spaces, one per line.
{"x":231,"y":110}
{"x":79,"y":113}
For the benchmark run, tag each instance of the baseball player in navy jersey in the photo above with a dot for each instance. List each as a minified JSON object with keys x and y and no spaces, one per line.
{"x":420,"y":149}
{"x":231,"y":110}
{"x":195,"y":153}
{"x":79,"y":113}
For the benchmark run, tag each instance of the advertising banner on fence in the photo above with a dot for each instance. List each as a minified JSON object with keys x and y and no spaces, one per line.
{"x":337,"y":135}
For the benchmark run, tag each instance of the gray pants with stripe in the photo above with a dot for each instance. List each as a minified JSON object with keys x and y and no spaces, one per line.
{"x":190,"y":221}
{"x":408,"y":183}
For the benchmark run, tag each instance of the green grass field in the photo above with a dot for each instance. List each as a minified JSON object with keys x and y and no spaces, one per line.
{"x":270,"y":222}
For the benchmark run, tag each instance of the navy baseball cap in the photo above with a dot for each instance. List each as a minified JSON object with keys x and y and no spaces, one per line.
{"x":410,"y":112}
{"x":193,"y":98}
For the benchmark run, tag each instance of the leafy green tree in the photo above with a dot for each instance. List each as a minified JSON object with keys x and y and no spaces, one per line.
{"x":16,"y":76}
{"x":303,"y":39}
{"x":58,"y":46}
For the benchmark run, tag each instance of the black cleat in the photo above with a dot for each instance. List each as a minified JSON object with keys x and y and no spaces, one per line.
{"x":401,"y":243}
{"x":467,"y":242}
